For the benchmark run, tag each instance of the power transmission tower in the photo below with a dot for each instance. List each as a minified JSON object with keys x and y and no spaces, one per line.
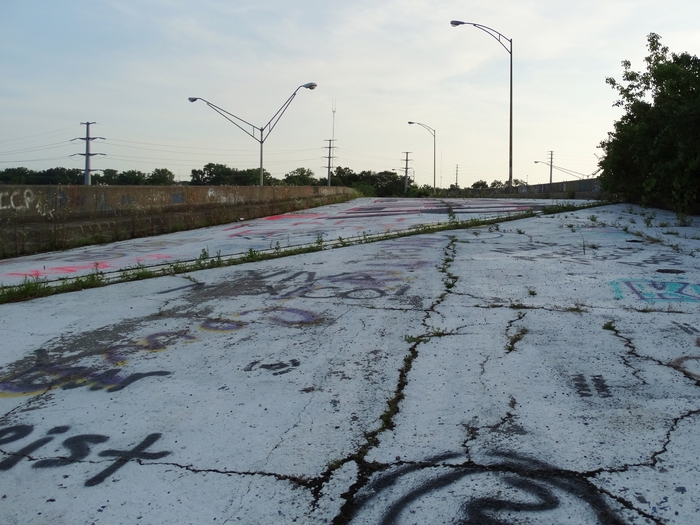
{"x":457,"y":176}
{"x":87,"y":180}
{"x":405,"y":178}
{"x":330,"y":148}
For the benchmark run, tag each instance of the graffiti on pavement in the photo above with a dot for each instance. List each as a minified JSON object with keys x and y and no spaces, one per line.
{"x":78,"y":448}
{"x":50,"y":372}
{"x":651,"y":290}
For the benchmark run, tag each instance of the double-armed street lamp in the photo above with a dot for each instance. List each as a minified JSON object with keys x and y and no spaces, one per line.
{"x":264,"y":130}
{"x":432,"y":132}
{"x":501,"y":40}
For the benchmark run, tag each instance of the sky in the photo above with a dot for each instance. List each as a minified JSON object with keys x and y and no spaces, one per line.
{"x":130,"y":66}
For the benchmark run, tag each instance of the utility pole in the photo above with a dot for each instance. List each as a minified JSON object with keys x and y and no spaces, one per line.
{"x":551,"y":162}
{"x":329,"y":152}
{"x":330,"y":156}
{"x":87,"y":180}
{"x":405,"y":178}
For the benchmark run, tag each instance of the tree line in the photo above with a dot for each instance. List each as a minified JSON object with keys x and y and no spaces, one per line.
{"x":369,"y":183}
{"x":21,"y":175}
{"x":652,"y":156}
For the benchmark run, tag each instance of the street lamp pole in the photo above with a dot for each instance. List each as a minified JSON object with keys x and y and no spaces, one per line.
{"x":264,"y":130}
{"x":432,"y":132}
{"x":501,"y":40}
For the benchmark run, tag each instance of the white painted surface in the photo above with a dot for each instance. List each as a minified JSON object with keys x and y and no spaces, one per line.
{"x":268,"y":382}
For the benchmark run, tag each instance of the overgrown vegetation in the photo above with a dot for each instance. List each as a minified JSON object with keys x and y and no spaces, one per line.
{"x":653,"y":154}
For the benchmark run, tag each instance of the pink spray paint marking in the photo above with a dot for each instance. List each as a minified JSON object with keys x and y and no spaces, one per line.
{"x":60,"y":269}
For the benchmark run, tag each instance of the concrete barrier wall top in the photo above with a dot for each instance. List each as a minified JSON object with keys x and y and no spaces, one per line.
{"x":42,"y":203}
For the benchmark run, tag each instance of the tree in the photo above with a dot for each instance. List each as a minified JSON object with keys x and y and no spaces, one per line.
{"x":653,"y":153}
{"x":497,"y":184}
{"x":221,"y":175}
{"x":300,"y":177}
{"x":17,"y":176}
{"x":131,"y":178}
{"x":161,"y":177}
{"x":480,"y":185}
{"x":109,"y":176}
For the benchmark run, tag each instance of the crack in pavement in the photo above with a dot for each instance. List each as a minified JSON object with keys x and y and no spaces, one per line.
{"x":365,"y":468}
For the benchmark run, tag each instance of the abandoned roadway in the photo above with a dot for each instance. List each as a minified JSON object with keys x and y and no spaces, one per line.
{"x":543,"y":370}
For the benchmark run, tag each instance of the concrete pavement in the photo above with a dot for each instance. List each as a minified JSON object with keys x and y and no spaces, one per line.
{"x":543,"y":370}
{"x":348,"y":220}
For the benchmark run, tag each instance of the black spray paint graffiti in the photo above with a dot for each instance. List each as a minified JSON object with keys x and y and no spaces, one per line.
{"x":277,"y":369}
{"x":681,"y":364}
{"x":294,"y":317}
{"x":369,"y":284}
{"x":584,"y":389}
{"x":78,"y":448}
{"x":66,"y":373}
{"x":688,"y":329}
{"x":522,"y":485}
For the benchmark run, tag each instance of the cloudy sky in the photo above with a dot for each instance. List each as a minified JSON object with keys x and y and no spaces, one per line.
{"x":130,"y":66}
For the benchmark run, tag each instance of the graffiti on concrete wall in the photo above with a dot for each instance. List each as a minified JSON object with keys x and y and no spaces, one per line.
{"x":16,"y":200}
{"x":78,"y":448}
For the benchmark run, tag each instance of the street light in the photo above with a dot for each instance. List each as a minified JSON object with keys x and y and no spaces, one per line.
{"x":432,"y":132}
{"x":550,"y":168}
{"x":269,"y":126}
{"x":501,"y":40}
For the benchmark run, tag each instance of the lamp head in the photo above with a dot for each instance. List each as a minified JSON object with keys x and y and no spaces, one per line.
{"x":411,"y":122}
{"x":455,"y":23}
{"x":310,"y":85}
{"x":192,"y":99}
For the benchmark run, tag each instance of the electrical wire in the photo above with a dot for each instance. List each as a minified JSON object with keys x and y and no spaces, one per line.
{"x":37,"y":148}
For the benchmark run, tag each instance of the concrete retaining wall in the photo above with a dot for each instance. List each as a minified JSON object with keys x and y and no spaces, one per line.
{"x":43,"y":218}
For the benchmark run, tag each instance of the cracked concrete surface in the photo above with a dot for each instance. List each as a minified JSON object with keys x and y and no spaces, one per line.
{"x":537,"y":371}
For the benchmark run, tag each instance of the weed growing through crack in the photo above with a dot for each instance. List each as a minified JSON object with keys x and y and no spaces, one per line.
{"x":578,"y":308}
{"x":609,"y":326}
{"x":531,"y":291}
{"x":649,"y":218}
{"x":412,"y":339}
{"x":515,"y":338}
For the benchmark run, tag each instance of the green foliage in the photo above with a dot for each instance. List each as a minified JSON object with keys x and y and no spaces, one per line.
{"x":300,"y":177}
{"x":371,"y":183}
{"x":653,"y":154}
{"x":132,"y":178}
{"x":161,"y":177}
{"x":480,"y":185}
{"x":50,"y":176}
{"x":221,"y":175}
